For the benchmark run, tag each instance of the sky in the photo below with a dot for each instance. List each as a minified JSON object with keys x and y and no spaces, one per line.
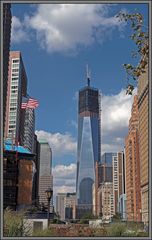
{"x":56,"y":42}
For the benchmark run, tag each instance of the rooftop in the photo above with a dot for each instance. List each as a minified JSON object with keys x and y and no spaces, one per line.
{"x":10,"y":147}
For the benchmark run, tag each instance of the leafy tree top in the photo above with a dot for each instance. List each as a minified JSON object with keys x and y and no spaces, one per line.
{"x":140,"y":37}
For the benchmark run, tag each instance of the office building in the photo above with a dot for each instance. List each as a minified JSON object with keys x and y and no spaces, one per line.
{"x":18,"y":170}
{"x":143,"y":103}
{"x":89,"y":145}
{"x":7,"y":20}
{"x":60,"y":205}
{"x":66,"y":205}
{"x":45,"y":172}
{"x":103,"y":173}
{"x":27,"y":128}
{"x":35,"y":190}
{"x":106,"y":201}
{"x":118,"y":178}
{"x":70,"y":206}
{"x":133,"y":191}
{"x":17,"y":87}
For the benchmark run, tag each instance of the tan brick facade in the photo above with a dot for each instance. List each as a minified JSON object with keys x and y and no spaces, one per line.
{"x":133,"y":194}
{"x":143,"y":141}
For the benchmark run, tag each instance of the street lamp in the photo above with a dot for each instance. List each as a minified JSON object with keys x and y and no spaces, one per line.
{"x":49,"y":193}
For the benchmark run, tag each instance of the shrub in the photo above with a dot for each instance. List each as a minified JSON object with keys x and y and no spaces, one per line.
{"x":117,"y":229}
{"x":13,"y":223}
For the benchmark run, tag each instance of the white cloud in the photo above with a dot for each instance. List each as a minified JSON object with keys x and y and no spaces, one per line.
{"x":60,"y":143}
{"x":66,"y":27}
{"x":64,"y":179}
{"x":116,"y":110}
{"x":115,"y":115}
{"x":19,"y":32}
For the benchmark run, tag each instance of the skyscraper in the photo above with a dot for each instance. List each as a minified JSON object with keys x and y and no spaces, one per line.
{"x":118,"y":178}
{"x":143,"y":100}
{"x":27,"y":128}
{"x":133,"y":193}
{"x":7,"y":19}
{"x":45,"y":171}
{"x":17,"y":87}
{"x":89,"y":143}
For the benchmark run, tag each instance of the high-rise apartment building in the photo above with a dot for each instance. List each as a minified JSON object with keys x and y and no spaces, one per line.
{"x":106,"y":201}
{"x":7,"y":19}
{"x":45,"y":171}
{"x":60,"y":205}
{"x":89,"y":144}
{"x":17,"y":87}
{"x":27,"y":128}
{"x":103,"y":173}
{"x":66,"y":205}
{"x":143,"y":103}
{"x":133,"y":194}
{"x":118,"y":178}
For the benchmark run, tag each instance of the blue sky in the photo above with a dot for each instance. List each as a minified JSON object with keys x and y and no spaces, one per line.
{"x":56,"y":42}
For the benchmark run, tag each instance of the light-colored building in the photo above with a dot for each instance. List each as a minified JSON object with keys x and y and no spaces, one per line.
{"x":118,"y":178}
{"x":143,"y":102}
{"x":66,"y":205}
{"x":45,"y":172}
{"x":122,"y":206}
{"x":106,"y":201}
{"x":17,"y":87}
{"x":133,"y":194}
{"x":60,"y":202}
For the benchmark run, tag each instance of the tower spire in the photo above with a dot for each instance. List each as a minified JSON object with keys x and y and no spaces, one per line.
{"x":88,"y":75}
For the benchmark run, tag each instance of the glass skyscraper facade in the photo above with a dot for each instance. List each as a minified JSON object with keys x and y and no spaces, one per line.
{"x":89,"y":143}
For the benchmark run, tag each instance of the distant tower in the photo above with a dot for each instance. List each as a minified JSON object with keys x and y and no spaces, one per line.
{"x":45,"y":171}
{"x":89,"y":143}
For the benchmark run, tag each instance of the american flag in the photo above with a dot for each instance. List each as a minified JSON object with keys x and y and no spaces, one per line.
{"x":28,"y":102}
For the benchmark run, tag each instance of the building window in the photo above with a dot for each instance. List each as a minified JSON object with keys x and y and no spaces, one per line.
{"x":15,"y":60}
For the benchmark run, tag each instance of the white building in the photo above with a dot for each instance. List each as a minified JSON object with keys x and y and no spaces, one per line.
{"x":45,"y":172}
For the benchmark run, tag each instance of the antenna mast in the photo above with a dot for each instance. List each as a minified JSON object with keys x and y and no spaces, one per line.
{"x":88,"y":75}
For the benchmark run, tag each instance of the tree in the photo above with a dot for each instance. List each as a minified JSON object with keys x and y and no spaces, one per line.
{"x":116,"y":217}
{"x":140,"y":37}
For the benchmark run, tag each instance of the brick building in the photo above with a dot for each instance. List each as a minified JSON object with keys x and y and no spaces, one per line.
{"x":18,"y":172}
{"x":133,"y":194}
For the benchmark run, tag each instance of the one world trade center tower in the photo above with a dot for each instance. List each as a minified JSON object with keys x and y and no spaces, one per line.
{"x":89,"y":144}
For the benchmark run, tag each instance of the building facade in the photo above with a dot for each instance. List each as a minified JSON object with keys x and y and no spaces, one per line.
{"x":66,"y":205}
{"x":103,"y":173}
{"x":45,"y":172}
{"x":143,"y":103}
{"x":27,"y":128}
{"x":17,"y":176}
{"x":60,"y":205}
{"x":118,"y":178}
{"x":106,"y":201}
{"x":17,"y":87}
{"x":7,"y":20}
{"x":133,"y":191}
{"x":89,"y":145}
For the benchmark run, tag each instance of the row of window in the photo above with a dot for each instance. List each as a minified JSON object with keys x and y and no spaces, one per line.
{"x":15,"y":60}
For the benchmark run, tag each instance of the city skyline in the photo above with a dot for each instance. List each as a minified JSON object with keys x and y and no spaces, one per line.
{"x":61,"y":119}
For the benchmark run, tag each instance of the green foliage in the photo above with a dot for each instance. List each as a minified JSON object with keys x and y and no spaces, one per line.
{"x":43,"y":233}
{"x":116,"y":217}
{"x":116,"y":229}
{"x":140,"y":37}
{"x":13,"y":223}
{"x":86,"y":217}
